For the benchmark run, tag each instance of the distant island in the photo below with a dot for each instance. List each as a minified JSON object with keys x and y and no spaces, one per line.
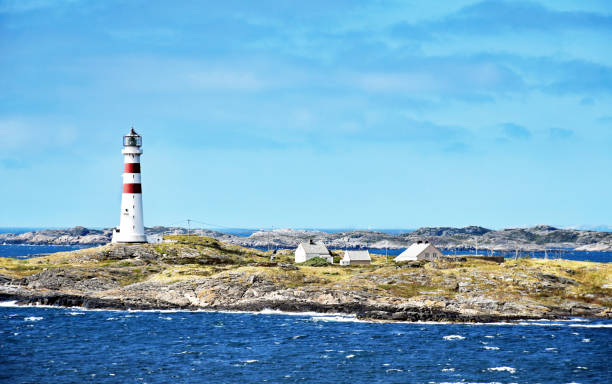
{"x":203,"y":273}
{"x":538,"y":238}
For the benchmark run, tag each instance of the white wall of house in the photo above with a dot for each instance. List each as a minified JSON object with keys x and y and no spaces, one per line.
{"x":300,"y":254}
{"x":306,"y":253}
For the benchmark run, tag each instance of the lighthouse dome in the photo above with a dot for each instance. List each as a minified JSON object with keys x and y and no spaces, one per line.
{"x":132,"y":139}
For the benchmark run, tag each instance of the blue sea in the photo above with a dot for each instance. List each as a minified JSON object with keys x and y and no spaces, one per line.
{"x":70,"y":345}
{"x":26,"y":251}
{"x":600,"y":257}
{"x":23,"y":251}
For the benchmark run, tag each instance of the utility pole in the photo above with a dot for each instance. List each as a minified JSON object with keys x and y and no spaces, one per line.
{"x":188,"y":227}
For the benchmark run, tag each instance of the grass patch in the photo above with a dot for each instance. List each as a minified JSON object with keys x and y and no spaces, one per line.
{"x":405,"y":290}
{"x":316,"y":262}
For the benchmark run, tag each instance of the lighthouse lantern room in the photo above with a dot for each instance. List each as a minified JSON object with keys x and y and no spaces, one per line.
{"x":131,"y":224}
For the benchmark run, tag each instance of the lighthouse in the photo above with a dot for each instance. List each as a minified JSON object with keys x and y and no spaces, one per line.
{"x":131,"y":225}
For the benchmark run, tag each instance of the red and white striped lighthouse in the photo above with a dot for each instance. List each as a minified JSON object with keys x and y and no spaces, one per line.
{"x":131,"y":225}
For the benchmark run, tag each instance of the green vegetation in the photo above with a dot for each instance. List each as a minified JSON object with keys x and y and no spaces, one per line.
{"x":189,"y":258}
{"x":316,"y":262}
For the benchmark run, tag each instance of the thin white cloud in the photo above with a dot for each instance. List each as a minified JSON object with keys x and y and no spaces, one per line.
{"x":21,"y":135}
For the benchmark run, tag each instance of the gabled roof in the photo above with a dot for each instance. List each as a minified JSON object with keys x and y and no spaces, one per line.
{"x":315,"y":248}
{"x":415,"y":249}
{"x":357,"y":255}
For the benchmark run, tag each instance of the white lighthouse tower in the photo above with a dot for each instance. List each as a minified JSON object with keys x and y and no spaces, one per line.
{"x":131,"y":225}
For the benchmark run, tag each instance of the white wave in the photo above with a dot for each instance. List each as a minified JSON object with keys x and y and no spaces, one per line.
{"x":165,"y":318}
{"x":542,"y":324}
{"x":579,"y":367}
{"x":112,"y":319}
{"x":269,"y":311}
{"x":491,"y":348}
{"x":453,"y":337}
{"x":339,"y":318}
{"x":448,"y":369}
{"x":502,"y":369}
{"x":316,"y":316}
{"x":76,"y":313}
{"x":490,"y":337}
{"x":551,"y":349}
{"x":394,"y":370}
{"x":249,"y":361}
{"x":14,"y":304}
{"x":349,"y":356}
{"x":586,"y":340}
{"x":470,"y":382}
{"x":33,"y":318}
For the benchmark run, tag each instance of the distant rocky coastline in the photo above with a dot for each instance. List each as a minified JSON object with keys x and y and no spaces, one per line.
{"x":538,"y":238}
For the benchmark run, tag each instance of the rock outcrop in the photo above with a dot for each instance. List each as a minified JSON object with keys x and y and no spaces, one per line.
{"x":203,"y":273}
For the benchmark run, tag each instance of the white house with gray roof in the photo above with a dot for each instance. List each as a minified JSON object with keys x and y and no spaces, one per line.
{"x":310,"y":249}
{"x":356,"y":258}
{"x":421,"y":250}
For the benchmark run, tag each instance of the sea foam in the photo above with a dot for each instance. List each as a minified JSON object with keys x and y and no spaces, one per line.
{"x":502,"y":369}
{"x":453,"y":337}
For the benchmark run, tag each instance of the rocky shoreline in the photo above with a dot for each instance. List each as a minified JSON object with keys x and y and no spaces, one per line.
{"x":532,"y":239}
{"x":386,"y":313}
{"x":198,"y":273}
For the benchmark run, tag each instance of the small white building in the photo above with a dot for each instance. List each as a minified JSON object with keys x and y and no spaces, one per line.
{"x":155,"y":239}
{"x":308,"y":250}
{"x":421,"y":250}
{"x":356,"y":258}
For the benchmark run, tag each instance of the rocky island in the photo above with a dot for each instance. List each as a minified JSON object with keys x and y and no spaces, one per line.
{"x":536,"y":238}
{"x":203,"y":273}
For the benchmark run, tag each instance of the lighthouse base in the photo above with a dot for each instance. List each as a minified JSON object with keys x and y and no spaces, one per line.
{"x":128,"y":238}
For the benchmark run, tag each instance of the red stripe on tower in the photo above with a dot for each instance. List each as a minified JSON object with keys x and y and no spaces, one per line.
{"x":132,"y":188}
{"x":132,"y":168}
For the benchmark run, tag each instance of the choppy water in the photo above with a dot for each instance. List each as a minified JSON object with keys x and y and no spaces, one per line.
{"x":57,"y":345}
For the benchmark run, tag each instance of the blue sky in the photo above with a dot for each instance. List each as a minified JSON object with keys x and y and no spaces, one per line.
{"x":361,"y":114}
